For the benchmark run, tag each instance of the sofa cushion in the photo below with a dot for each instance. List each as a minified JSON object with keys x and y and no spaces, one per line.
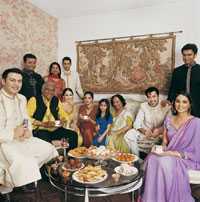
{"x":133,"y":106}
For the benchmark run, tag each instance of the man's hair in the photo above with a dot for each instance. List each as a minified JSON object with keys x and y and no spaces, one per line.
{"x":150,"y":90}
{"x":29,"y":55}
{"x":11,"y":70}
{"x":48,"y":83}
{"x":190,"y":46}
{"x":67,"y":58}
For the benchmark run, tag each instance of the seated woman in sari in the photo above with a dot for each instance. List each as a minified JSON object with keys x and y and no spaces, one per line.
{"x":122,"y":122}
{"x":86,"y":119}
{"x":71,"y":112}
{"x":55,"y":76}
{"x":166,"y":172}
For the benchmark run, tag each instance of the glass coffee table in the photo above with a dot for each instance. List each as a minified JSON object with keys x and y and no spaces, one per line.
{"x":107,"y":187}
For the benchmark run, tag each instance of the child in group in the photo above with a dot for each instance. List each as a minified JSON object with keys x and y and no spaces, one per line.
{"x":103,"y":121}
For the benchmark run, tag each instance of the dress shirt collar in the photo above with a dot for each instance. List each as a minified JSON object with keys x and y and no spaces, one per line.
{"x":191,"y":65}
{"x":28,"y":71}
{"x":67,"y":73}
{"x":7,"y":95}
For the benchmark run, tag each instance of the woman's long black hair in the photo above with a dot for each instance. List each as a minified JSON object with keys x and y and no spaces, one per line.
{"x":107,"y":115}
{"x":174,"y":112}
{"x":51,"y":66}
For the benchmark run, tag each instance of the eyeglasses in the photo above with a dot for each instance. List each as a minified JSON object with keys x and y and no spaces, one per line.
{"x":68,"y":95}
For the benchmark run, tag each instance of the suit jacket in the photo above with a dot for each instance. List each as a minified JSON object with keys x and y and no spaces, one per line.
{"x":178,"y":84}
{"x":27,"y":87}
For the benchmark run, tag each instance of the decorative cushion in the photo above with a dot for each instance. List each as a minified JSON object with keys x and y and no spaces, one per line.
{"x":133,"y":106}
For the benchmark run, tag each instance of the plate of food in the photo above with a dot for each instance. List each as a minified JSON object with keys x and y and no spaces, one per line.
{"x":72,"y":165}
{"x":79,"y":152}
{"x":90,"y":175}
{"x":99,"y":152}
{"x":125,"y":158}
{"x":126,"y":170}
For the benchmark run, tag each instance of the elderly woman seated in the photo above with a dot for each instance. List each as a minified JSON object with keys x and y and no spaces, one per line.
{"x":122,"y":123}
{"x":45,"y":111}
{"x":148,"y":125}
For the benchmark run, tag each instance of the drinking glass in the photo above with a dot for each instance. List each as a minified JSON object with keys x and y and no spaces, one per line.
{"x":64,"y":145}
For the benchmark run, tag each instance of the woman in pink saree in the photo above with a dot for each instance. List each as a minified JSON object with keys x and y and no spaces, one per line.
{"x":166,"y":173}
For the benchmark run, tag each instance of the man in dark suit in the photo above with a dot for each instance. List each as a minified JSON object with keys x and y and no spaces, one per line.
{"x":32,"y":81}
{"x":187,"y":78}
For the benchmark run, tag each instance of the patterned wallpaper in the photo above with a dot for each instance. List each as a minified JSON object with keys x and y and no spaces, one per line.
{"x":24,"y":28}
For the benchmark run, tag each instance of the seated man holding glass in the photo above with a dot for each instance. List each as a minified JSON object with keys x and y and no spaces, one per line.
{"x":21,"y":154}
{"x":148,"y":125}
{"x":48,"y":116}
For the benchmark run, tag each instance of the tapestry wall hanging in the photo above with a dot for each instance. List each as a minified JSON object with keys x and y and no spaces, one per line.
{"x":126,"y":66}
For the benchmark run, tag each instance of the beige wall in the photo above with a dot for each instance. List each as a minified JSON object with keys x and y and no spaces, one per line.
{"x":25,"y":28}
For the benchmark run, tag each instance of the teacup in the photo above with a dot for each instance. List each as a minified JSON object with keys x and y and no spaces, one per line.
{"x":85,"y":117}
{"x":57,"y":123}
{"x":158,"y":148}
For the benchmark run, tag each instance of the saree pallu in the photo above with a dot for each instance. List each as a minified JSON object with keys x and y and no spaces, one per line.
{"x":117,"y":141}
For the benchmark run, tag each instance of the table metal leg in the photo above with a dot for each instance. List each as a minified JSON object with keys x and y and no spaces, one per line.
{"x":86,"y":195}
{"x":65,"y":193}
{"x":132,"y":196}
{"x":64,"y":152}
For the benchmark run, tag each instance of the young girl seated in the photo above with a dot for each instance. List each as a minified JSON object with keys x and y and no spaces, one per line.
{"x":103,"y":121}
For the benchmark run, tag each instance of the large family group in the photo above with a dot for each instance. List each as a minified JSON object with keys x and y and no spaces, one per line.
{"x":36,"y":113}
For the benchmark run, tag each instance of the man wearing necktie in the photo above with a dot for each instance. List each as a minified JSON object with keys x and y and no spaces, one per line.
{"x":187,"y":78}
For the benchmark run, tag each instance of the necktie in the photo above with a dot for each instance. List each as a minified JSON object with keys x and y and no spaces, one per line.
{"x":188,"y":79}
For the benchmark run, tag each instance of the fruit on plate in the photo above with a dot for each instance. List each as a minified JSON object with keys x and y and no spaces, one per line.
{"x":72,"y":164}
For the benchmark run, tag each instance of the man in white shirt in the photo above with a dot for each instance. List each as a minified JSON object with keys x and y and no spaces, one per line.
{"x":148,"y":125}
{"x":72,"y":79}
{"x":22,"y":153}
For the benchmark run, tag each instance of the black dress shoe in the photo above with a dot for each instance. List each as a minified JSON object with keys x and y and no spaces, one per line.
{"x":5,"y":198}
{"x":29,"y":188}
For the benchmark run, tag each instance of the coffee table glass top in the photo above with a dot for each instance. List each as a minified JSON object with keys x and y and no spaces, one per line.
{"x":64,"y":175}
